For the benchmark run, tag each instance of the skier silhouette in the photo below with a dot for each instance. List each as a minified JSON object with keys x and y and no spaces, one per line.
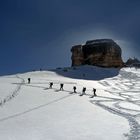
{"x":83,"y":91}
{"x":74,"y":88}
{"x":94,"y":90}
{"x":94,"y":93}
{"x":29,"y":80}
{"x":51,"y":84}
{"x":61,"y":86}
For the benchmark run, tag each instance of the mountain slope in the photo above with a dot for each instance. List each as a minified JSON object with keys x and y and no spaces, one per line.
{"x":33,"y":111}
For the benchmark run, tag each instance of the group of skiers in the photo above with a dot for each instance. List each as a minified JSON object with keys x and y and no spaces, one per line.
{"x":74,"y":88}
{"x":61,"y":85}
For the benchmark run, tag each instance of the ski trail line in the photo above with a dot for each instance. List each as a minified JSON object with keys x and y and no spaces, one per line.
{"x":123,"y":90}
{"x":33,"y":109}
{"x":14,"y":93}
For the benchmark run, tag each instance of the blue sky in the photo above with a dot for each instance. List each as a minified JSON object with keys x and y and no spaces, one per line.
{"x":38,"y":34}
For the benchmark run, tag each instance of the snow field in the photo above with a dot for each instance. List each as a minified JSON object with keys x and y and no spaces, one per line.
{"x":39,"y":113}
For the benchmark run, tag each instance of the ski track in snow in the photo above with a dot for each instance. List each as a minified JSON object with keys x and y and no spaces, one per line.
{"x":33,"y":109}
{"x":13,"y":93}
{"x":122,"y":92}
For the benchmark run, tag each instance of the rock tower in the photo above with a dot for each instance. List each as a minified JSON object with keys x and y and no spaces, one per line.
{"x":99,"y":52}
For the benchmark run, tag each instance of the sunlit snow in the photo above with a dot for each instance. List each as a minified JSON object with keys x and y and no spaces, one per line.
{"x":35,"y":112}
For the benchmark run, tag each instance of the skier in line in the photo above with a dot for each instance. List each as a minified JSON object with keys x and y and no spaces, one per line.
{"x":29,"y":80}
{"x":51,"y":84}
{"x":83,"y":91}
{"x":61,"y":86}
{"x":74,"y":88}
{"x":94,"y":90}
{"x":94,"y":93}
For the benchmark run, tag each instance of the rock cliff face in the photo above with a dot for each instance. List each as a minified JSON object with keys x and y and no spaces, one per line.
{"x":100,"y":52}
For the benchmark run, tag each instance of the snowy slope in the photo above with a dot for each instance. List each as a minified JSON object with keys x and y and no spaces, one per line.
{"x":34,"y":112}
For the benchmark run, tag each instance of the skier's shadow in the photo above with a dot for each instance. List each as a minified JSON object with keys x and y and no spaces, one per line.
{"x":71,"y":92}
{"x":30,"y":85}
{"x":46,"y":88}
{"x":57,"y":90}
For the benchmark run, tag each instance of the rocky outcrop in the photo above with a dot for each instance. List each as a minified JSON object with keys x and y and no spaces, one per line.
{"x":77,"y":55}
{"x":100,"y":52}
{"x":133,"y":62}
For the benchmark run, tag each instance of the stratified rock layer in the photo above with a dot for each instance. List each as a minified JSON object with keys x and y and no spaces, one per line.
{"x":100,"y":52}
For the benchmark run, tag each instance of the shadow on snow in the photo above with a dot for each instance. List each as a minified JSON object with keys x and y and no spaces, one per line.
{"x":87,"y":72}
